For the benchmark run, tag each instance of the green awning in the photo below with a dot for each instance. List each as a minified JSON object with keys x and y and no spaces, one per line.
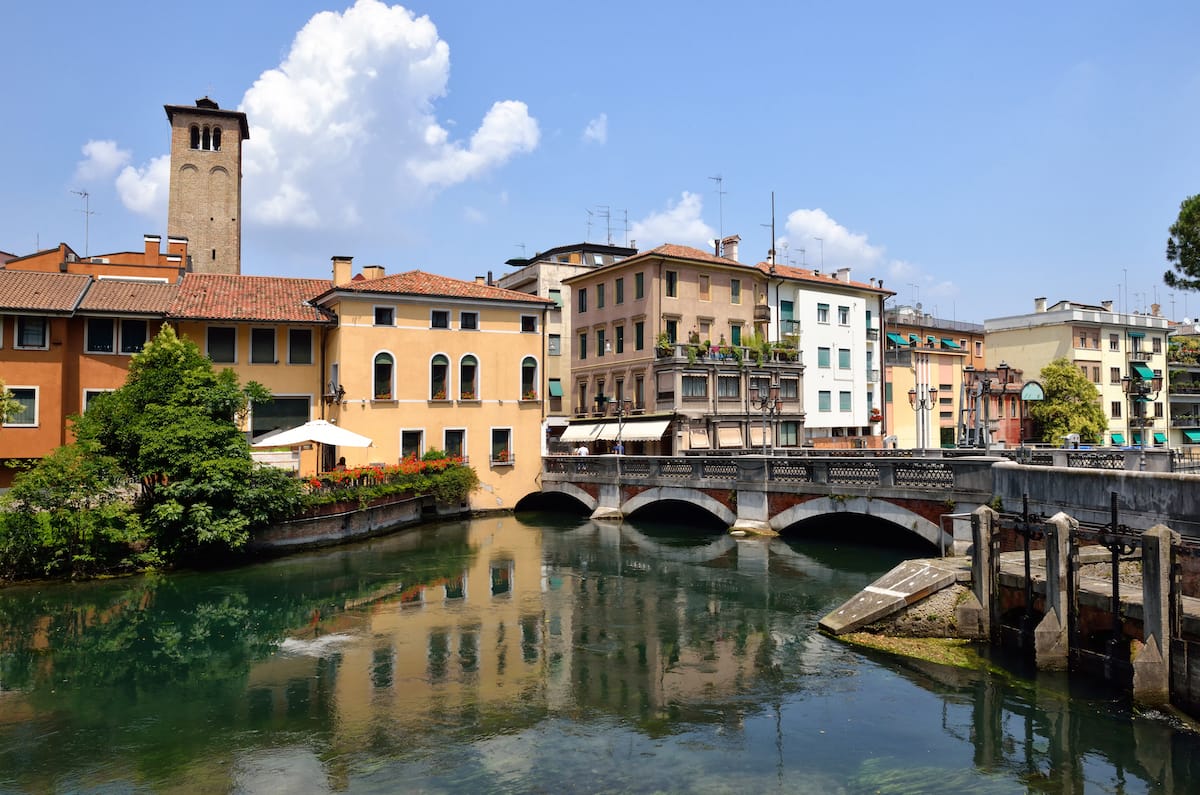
{"x":1142,"y":371}
{"x":1119,"y":438}
{"x":1137,"y":335}
{"x":931,"y":339}
{"x":913,"y":338}
{"x":951,"y":344}
{"x":896,"y":338}
{"x":556,"y":387}
{"x":1192,"y":437}
{"x":1137,"y":438}
{"x":1160,"y":437}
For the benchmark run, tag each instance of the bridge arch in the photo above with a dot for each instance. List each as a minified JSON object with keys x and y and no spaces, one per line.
{"x":691,"y":496}
{"x":876,"y":508}
{"x":571,"y":490}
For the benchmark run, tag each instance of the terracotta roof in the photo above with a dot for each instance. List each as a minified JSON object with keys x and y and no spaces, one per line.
{"x":42,"y":292}
{"x":211,"y":296}
{"x":804,"y":274}
{"x":120,"y":295}
{"x":685,"y":252}
{"x":422,"y":283}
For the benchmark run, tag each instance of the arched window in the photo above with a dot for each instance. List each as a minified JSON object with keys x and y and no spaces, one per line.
{"x":207,"y":140}
{"x":195,"y":137}
{"x":468,"y":372}
{"x":384,"y":368}
{"x":216,"y":139}
{"x":529,"y":390}
{"x":439,"y":371}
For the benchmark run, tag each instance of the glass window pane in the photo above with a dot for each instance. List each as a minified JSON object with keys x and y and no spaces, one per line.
{"x":222,"y":345}
{"x":133,"y":336}
{"x":300,"y":346}
{"x":262,"y":346}
{"x":100,"y":331}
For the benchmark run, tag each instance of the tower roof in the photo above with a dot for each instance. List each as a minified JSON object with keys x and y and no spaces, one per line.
{"x":208,"y":107}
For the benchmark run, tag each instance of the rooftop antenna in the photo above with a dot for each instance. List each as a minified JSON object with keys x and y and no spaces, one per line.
{"x":588,"y":238}
{"x":821,"y":240}
{"x":625,"y":228}
{"x":522,"y":247}
{"x":87,"y":217}
{"x":803,"y":259}
{"x":721,"y":206}
{"x":602,"y":211}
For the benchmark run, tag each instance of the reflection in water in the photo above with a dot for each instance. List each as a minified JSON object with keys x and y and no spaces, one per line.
{"x":528,"y":654}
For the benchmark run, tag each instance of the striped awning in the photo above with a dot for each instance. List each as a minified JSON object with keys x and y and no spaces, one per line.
{"x":1137,"y":438}
{"x":698,"y":439}
{"x":756,"y":436}
{"x":1192,"y":437}
{"x":729,"y":436}
{"x":580,"y":432}
{"x":896,"y":338}
{"x":1143,"y":372}
{"x":1160,"y":437}
{"x":951,"y":344}
{"x":1118,"y":438}
{"x":633,"y":431}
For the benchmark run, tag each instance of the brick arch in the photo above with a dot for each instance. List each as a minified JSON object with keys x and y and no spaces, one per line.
{"x":693,"y":496}
{"x":876,"y":508}
{"x":571,"y":490}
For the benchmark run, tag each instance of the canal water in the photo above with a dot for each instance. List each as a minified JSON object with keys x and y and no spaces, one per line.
{"x":533,"y":654}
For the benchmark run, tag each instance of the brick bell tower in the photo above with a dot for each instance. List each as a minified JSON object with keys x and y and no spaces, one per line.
{"x":205,"y":202}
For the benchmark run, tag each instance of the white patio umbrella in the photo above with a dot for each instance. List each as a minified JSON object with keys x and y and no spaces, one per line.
{"x":318,"y":431}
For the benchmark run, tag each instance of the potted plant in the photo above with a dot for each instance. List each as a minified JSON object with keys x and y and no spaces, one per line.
{"x":440,"y":394}
{"x":467,"y":395}
{"x":502,"y":457}
{"x":530,"y":395}
{"x":663,"y":345}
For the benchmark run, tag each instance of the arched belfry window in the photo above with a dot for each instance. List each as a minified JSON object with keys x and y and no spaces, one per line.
{"x":468,"y":374}
{"x":529,"y":378}
{"x":216,"y":140}
{"x":384,"y":369}
{"x":207,"y":142}
{"x":439,"y":371}
{"x":195,"y":137}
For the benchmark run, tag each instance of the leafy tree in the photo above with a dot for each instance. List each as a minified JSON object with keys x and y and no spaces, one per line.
{"x":1071,"y":405}
{"x":9,"y":407}
{"x":1183,"y":246}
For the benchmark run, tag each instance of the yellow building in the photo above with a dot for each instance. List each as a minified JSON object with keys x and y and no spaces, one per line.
{"x":418,"y":361}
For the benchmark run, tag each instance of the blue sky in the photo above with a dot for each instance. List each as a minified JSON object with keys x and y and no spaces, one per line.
{"x":972,"y":157}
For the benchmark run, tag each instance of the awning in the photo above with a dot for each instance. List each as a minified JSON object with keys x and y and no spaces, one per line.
{"x":1136,"y":335}
{"x":1160,"y":437}
{"x":1192,"y":437}
{"x":950,"y":344}
{"x":698,"y":439}
{"x":729,"y":436}
{"x":580,"y":432}
{"x":556,"y":387}
{"x":1144,"y":372}
{"x":639,"y":431}
{"x":1137,"y":438}
{"x":756,"y":436}
{"x":896,"y":338}
{"x":1118,"y":438}
{"x":319,"y":431}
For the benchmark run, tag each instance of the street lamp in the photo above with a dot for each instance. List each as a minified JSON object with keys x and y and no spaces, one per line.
{"x":922,"y":403}
{"x":1140,"y":391}
{"x":982,"y":393}
{"x":768,"y":404}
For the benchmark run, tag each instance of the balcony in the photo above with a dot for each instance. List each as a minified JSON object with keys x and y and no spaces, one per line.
{"x":724,"y":355}
{"x":762,"y":313}
{"x":872,"y":376}
{"x":872,"y":333}
{"x":1140,"y":356}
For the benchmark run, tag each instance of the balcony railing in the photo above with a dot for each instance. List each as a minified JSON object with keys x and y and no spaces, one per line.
{"x":872,"y":333}
{"x":1140,"y":356}
{"x":872,"y":376}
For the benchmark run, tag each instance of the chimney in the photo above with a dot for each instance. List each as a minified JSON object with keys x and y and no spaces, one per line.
{"x":490,"y":283}
{"x":843,"y":275}
{"x":177,"y":245}
{"x":872,"y":281}
{"x":151,"y":243}
{"x":372,"y":272}
{"x":1155,"y":309}
{"x":1039,"y":305}
{"x":479,"y":280}
{"x":342,"y":270}
{"x":729,"y":247}
{"x":1107,"y":305}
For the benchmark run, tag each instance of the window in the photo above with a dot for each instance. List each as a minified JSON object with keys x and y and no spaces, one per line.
{"x":222,"y":344}
{"x":844,"y":401}
{"x":384,"y":364}
{"x":300,"y":346}
{"x":278,"y":414}
{"x":1114,"y":342}
{"x":843,"y":315}
{"x":978,"y":348}
{"x":1115,"y":409}
{"x":412,"y":444}
{"x":1095,"y":374}
{"x":639,"y":286}
{"x":32,"y":332}
{"x":26,"y":415}
{"x":554,"y":345}
{"x":529,"y":378}
{"x":735,"y":334}
{"x":582,"y":296}
{"x":823,"y":398}
{"x":619,"y":291}
{"x":639,"y":392}
{"x":262,"y":346}
{"x":843,"y":358}
{"x":789,"y":389}
{"x":582,"y":408}
{"x":1156,"y":344}
{"x":468,"y":372}
{"x":1114,"y":375}
{"x":672,"y":286}
{"x":789,"y":434}
{"x":101,"y":335}
{"x":600,"y":296}
{"x":620,"y":332}
{"x":439,"y":318}
{"x":673,"y":331}
{"x":469,"y":321}
{"x":133,"y":335}
{"x":556,"y":297}
{"x":822,"y":313}
{"x":454,"y":442}
{"x":502,"y":446}
{"x":599,"y":342}
{"x":583,"y":345}
{"x":705,"y":294}
{"x":695,"y":386}
{"x":735,"y":291}
{"x":728,"y":387}
{"x":787,"y":310}
{"x":1158,"y":410}
{"x":823,"y":358}
{"x":385,"y":316}
{"x":439,"y":377}
{"x":90,"y":395}
{"x":554,"y":388}
{"x":639,"y":335}
{"x":529,"y":324}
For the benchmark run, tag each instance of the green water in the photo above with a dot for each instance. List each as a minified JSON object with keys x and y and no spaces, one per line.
{"x":533,"y":654}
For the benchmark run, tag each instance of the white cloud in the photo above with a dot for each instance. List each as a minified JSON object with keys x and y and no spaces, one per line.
{"x":144,"y":190}
{"x":679,"y":223}
{"x":344,"y":128}
{"x":596,"y":130}
{"x":101,"y":160}
{"x":474,"y":215}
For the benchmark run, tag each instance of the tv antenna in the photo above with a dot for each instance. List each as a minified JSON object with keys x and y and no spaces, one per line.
{"x":721,"y":206}
{"x":87,"y":217}
{"x":522,"y":247}
{"x":771,"y":250}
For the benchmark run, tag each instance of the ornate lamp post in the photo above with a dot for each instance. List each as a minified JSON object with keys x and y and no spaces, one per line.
{"x":768,"y":404}
{"x":1141,"y":391}
{"x":923,"y":401}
